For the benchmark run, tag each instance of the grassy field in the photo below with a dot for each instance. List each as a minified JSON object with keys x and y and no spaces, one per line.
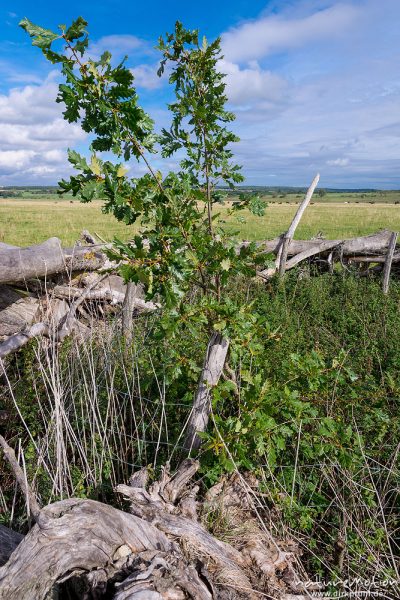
{"x":25,"y":221}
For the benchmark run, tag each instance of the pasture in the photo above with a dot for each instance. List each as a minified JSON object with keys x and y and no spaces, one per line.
{"x":25,"y":221}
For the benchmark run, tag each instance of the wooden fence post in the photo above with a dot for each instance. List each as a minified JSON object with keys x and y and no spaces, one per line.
{"x":214,"y":362}
{"x":388,"y":262}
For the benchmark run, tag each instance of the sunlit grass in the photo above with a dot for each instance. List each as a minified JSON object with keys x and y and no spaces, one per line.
{"x":25,"y":221}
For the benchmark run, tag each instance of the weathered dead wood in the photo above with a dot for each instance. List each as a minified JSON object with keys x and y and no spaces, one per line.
{"x":376,"y":243}
{"x":217,"y":350}
{"x":105,"y":294}
{"x":80,"y":537}
{"x":164,"y":577}
{"x":288,"y":236}
{"x":8,"y":296}
{"x":46,"y":259}
{"x":160,"y":551}
{"x":388,"y":263}
{"x":87,"y":237}
{"x":9,"y":540}
{"x":57,"y":331}
{"x":128,"y":306}
{"x":300,"y":250}
{"x":18,"y":316}
{"x":374,"y":259}
{"x":247,"y":553}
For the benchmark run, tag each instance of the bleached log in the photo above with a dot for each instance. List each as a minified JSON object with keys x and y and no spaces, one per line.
{"x":376,"y":243}
{"x":57,"y":331}
{"x":104,"y":293}
{"x":300,"y":250}
{"x":46,"y":259}
{"x":217,"y":350}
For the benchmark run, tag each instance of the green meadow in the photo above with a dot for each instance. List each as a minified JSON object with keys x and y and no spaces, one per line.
{"x":25,"y":221}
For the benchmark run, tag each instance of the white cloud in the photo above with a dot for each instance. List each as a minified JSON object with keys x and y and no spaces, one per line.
{"x":118,"y":45}
{"x":15,"y":159}
{"x":146,"y":76}
{"x":264,"y":36}
{"x":338,"y":162}
{"x":252,"y":84}
{"x":34,"y":135}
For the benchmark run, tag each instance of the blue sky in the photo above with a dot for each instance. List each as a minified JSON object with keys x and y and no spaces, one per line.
{"x":314,"y":84}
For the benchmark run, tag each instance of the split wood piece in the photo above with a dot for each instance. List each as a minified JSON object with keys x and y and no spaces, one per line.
{"x":287,"y":238}
{"x":388,"y":263}
{"x":128,"y":306}
{"x":217,"y":350}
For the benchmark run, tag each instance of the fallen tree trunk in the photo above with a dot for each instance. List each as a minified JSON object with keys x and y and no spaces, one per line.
{"x":56,"y":330}
{"x":376,"y":243}
{"x":46,"y":259}
{"x":301,"y":250}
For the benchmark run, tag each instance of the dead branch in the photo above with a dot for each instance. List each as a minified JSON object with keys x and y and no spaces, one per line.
{"x":288,"y":236}
{"x":20,"y":476}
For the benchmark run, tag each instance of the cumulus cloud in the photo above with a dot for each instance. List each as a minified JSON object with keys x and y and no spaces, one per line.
{"x":146,"y":76}
{"x":317,"y":89}
{"x":118,"y":45}
{"x":264,"y":36}
{"x":35,"y":136}
{"x":252,"y":83}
